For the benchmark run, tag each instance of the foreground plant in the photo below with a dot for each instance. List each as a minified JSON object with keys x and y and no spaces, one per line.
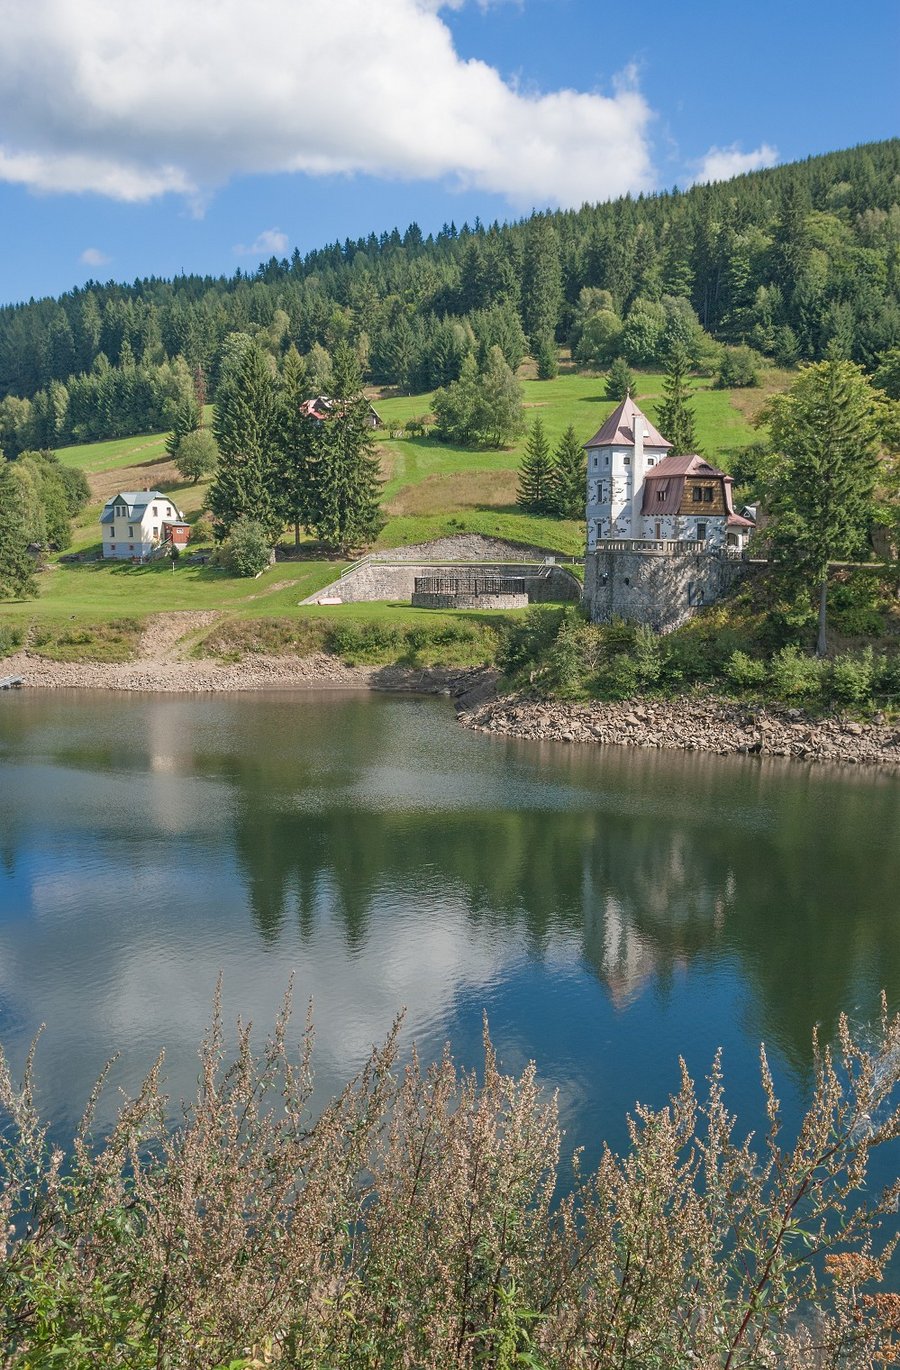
{"x":414,"y":1223}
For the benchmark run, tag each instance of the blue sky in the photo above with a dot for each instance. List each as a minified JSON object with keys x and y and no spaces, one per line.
{"x":203,"y":135}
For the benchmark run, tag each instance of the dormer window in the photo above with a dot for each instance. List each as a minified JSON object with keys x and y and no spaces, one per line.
{"x":698,"y":495}
{"x":651,"y":461}
{"x":661,"y":494}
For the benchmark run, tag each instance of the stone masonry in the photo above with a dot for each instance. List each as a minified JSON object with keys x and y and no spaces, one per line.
{"x":661,"y":589}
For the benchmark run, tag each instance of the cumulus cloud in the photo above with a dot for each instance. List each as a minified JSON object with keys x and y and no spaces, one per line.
{"x":721,"y":163}
{"x":92,"y":256}
{"x":271,"y":242}
{"x":132,"y":101}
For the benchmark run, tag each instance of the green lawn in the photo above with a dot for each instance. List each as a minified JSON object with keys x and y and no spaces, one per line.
{"x":107,"y":456}
{"x":104,"y":590}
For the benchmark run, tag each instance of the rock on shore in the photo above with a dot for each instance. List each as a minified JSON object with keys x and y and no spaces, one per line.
{"x":695,"y":723}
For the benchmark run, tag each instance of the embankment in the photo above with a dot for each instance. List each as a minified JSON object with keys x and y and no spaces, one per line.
{"x":692,"y":723}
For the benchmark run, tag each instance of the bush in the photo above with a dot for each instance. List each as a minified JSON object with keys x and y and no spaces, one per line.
{"x":10,"y":638}
{"x":423,"y":1217}
{"x":852,"y":677}
{"x":855,"y":605}
{"x":202,"y":530}
{"x":738,"y":367}
{"x":745,"y":671}
{"x":795,"y":675}
{"x":246,"y":551}
{"x":887,"y":677}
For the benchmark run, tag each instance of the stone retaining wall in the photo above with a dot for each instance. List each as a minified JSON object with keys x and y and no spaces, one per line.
{"x":429,"y":599}
{"x":379,"y":580}
{"x":661,"y":590}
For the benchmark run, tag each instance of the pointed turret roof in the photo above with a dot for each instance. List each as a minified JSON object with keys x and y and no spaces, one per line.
{"x":618,"y":431}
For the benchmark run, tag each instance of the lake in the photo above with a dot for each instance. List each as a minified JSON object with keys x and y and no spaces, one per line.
{"x":609,"y":909}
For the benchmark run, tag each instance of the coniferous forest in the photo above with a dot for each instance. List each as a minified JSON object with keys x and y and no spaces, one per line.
{"x":796,"y":263}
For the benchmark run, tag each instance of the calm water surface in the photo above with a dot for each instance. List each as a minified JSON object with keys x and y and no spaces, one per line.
{"x":609,"y":909}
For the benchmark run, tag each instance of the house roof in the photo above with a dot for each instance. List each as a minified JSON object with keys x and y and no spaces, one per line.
{"x":136,"y":502}
{"x":664,"y":487}
{"x":618,"y":430}
{"x":323,"y":405}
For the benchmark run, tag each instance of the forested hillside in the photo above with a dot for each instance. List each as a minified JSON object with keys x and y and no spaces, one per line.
{"x":797,"y":262}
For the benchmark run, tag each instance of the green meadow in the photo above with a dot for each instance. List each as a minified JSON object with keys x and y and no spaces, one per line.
{"x":431,"y":489}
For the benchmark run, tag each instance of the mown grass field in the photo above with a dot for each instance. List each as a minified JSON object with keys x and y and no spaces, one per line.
{"x":431,"y":490}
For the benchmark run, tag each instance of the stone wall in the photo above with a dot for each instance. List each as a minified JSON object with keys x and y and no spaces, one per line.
{"x":662,"y":590}
{"x":379,"y":580}
{"x":427,"y":599}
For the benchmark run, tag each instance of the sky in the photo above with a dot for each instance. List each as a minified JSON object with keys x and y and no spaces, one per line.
{"x":206,"y":135}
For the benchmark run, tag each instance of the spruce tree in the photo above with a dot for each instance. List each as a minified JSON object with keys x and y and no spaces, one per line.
{"x":246,"y":431}
{"x":675,"y":417}
{"x":620,"y":381}
{"x":346,"y":513}
{"x":344,"y":474}
{"x":536,"y":472}
{"x":16,"y":566}
{"x":294,"y":465}
{"x":825,"y":431}
{"x":187,"y":420}
{"x":568,"y":485}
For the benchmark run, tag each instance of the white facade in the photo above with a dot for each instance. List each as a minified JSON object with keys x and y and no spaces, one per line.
{"x":132,"y":523}
{"x":629,"y":469}
{"x":615,"y":491}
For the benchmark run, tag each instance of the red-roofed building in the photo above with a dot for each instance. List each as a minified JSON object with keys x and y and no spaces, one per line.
{"x":323,"y":407}
{"x":637,"y":491}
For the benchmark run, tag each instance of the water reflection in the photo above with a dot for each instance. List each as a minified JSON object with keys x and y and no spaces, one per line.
{"x":613,"y":900}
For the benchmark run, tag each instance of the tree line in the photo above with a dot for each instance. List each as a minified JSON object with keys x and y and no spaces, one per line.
{"x":794,"y":263}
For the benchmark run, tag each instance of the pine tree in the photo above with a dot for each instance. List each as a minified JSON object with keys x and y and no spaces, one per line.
{"x":676,"y":418}
{"x":620,"y":381}
{"x":16,"y":566}
{"x":536,"y":472}
{"x":568,"y":483}
{"x":246,"y":431}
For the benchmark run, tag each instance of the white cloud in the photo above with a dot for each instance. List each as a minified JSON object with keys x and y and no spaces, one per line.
{"x":92,"y":256}
{"x":132,"y":101}
{"x":721,"y":163}
{"x":271,"y":242}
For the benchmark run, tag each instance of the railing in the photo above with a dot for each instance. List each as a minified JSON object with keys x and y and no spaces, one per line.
{"x":470,"y":585}
{"x":658,"y":546}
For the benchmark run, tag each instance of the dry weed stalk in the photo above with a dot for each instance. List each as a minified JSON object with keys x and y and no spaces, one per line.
{"x":413,"y":1224}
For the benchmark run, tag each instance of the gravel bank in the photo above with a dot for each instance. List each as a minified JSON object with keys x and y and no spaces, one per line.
{"x":690,"y":724}
{"x":185,"y":676}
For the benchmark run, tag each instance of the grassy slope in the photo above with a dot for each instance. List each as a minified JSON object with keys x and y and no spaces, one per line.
{"x":431,"y":489}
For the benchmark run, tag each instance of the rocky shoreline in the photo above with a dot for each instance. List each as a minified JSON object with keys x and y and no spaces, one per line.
{"x":691,"y":723}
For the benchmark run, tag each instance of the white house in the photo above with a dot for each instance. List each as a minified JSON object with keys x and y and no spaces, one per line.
{"x":636,"y":490}
{"x":135,"y":523}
